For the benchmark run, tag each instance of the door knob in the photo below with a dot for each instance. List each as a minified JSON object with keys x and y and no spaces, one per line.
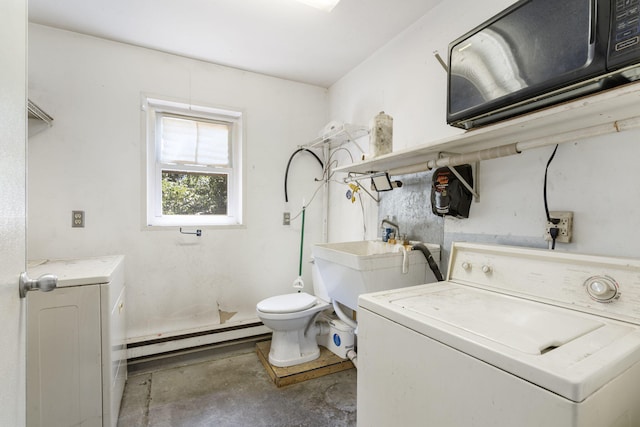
{"x":45,"y":283}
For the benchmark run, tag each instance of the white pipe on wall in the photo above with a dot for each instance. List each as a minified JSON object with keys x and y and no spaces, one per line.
{"x":587,"y":132}
{"x":518,"y":147}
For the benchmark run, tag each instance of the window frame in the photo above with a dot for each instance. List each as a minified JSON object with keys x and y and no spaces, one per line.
{"x":155,"y":109}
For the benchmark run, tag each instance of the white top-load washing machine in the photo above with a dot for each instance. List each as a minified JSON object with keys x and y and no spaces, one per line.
{"x":514,"y":337}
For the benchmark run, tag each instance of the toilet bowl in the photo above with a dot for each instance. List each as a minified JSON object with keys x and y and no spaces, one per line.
{"x":292,"y":318}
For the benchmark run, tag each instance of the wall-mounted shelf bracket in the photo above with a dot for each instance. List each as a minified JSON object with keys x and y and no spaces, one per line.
{"x":356,"y":177}
{"x":475,"y":189}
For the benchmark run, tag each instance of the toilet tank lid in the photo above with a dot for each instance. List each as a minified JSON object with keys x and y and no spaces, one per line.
{"x":288,"y":303}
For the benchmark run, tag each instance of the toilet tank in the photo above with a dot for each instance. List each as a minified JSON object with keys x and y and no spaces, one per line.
{"x":319,"y":288}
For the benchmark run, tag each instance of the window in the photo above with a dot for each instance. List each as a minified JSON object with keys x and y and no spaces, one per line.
{"x":194,"y":165}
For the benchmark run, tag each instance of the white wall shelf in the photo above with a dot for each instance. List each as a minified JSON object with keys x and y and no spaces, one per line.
{"x":339,"y":134}
{"x":606,"y":112}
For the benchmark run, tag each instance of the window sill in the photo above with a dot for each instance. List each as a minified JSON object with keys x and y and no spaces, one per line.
{"x":193,"y":227}
{"x":177,"y":221}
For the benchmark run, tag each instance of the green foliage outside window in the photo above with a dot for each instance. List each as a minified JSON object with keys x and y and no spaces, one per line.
{"x":186,"y":193}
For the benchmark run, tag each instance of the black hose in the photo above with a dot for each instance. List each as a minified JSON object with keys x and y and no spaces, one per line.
{"x":544,"y":192}
{"x":286,"y":173}
{"x":432,"y":262}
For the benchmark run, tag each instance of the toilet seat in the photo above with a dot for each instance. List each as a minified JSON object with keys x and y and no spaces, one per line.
{"x":288,"y":303}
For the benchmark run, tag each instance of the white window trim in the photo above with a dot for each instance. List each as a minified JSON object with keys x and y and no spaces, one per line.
{"x":151,"y":108}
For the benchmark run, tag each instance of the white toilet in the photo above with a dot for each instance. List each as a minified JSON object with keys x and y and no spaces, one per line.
{"x":292,"y":317}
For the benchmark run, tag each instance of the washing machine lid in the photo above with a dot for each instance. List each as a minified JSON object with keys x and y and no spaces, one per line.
{"x":288,"y":303}
{"x":568,"y":352}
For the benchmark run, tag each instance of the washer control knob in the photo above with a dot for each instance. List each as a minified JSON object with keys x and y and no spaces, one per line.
{"x":466,"y":265}
{"x":602,"y":288}
{"x":486,"y":269}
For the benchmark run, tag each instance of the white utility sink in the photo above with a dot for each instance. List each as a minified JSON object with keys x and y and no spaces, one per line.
{"x":349,"y":269}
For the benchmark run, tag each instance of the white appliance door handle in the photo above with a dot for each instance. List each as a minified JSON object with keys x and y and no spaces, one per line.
{"x":45,"y":283}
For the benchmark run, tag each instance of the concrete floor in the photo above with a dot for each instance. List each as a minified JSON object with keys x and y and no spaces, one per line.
{"x":231,"y":388}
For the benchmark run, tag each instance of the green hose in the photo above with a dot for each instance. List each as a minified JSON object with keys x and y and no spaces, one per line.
{"x":301,"y":242}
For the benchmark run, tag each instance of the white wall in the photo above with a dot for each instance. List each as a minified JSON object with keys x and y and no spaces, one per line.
{"x":597,"y":178}
{"x":91,"y":160}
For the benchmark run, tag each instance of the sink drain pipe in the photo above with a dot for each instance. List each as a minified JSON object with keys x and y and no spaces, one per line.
{"x":351,"y":354}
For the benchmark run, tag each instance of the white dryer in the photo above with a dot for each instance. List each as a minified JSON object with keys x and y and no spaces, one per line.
{"x":514,"y":337}
{"x":75,"y":339}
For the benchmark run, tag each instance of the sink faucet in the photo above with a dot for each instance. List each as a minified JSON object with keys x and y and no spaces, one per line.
{"x":392,"y":224}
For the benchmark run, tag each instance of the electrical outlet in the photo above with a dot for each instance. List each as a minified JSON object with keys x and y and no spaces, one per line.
{"x":286,"y":218}
{"x":77,"y":219}
{"x":565,"y":226}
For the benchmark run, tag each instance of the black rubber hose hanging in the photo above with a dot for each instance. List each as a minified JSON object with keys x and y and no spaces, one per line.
{"x":544,"y":191}
{"x":286,"y":173}
{"x":553,"y":231}
{"x":432,"y":262}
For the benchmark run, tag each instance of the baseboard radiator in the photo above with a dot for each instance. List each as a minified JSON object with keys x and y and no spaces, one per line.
{"x":197,"y":341}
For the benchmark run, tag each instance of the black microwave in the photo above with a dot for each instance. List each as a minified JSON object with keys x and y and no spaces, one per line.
{"x":541,"y":52}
